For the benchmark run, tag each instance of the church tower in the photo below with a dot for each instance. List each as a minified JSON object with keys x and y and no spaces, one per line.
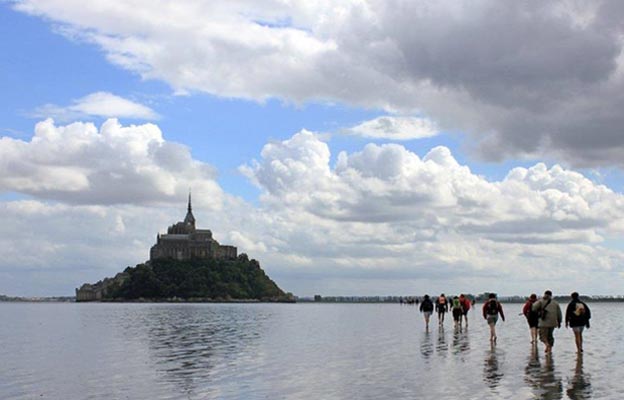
{"x":189,"y":219}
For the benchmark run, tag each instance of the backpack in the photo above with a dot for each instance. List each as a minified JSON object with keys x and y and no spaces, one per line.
{"x":580,"y":309}
{"x":492,"y":307}
{"x":456,"y":304}
{"x":542,"y":312}
{"x":427,"y":305}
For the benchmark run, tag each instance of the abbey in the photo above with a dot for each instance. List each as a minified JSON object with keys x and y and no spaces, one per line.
{"x":184,"y":242}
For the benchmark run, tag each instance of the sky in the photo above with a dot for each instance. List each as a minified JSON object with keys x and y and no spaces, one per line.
{"x":352,"y":147}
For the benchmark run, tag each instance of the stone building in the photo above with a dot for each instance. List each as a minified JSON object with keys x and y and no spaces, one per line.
{"x":183,"y":241}
{"x":99,"y":290}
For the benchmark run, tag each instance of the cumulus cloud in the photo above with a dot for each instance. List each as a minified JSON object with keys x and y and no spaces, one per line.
{"x":100,"y":104}
{"x":395,"y":128}
{"x":379,"y":220}
{"x":385,"y":213}
{"x":79,"y":163}
{"x":523,"y":78}
{"x":390,"y":183}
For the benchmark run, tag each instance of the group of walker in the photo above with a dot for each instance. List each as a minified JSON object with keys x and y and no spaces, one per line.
{"x":543,"y":315}
{"x":458,"y":306}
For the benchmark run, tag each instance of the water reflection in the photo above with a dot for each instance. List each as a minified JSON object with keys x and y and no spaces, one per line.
{"x":579,"y":386}
{"x":442,"y":346}
{"x":532,"y":371}
{"x":426,"y":346}
{"x":461,"y":343}
{"x":543,"y":379}
{"x":189,"y":343}
{"x":492,"y":373}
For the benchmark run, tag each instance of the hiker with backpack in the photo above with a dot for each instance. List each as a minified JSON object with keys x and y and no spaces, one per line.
{"x":458,"y":310}
{"x":441,"y":308}
{"x":531,"y":317}
{"x":550,"y":318}
{"x":491,"y":309}
{"x":426,"y":307}
{"x":466,"y":303}
{"x":577,"y":317}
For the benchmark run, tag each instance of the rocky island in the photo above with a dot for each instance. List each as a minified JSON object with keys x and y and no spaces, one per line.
{"x":188,"y":264}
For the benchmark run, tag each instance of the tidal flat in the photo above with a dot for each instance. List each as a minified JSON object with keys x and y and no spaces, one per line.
{"x":295,"y":351}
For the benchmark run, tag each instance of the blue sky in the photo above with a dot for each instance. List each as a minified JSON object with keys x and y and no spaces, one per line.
{"x":346,"y":162}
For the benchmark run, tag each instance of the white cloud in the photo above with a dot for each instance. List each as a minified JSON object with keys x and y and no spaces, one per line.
{"x":395,"y":128}
{"x":100,"y":104}
{"x":78,"y":163}
{"x":523,"y":78}
{"x":382,"y":218}
{"x":385,"y":213}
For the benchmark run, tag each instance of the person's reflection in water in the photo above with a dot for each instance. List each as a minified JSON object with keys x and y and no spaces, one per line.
{"x":492,"y":374}
{"x":532,"y":372}
{"x":426,"y":346}
{"x":550,"y":382}
{"x":579,"y":386}
{"x":460,"y":340}
{"x":543,"y":378}
{"x":442,"y":346}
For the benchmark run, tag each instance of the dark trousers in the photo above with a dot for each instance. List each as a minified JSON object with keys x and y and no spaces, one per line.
{"x":546,"y":336}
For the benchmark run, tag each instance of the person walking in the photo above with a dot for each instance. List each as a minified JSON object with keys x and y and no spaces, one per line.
{"x":577,"y":317}
{"x":426,"y":307}
{"x":458,"y":311}
{"x":491,"y":309}
{"x":549,"y":318}
{"x":466,"y":303}
{"x":531,"y":317}
{"x":441,"y":308}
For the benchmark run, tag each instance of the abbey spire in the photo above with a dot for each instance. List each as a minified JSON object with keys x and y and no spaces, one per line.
{"x":189,"y":219}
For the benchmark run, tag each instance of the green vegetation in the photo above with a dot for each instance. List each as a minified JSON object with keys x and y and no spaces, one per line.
{"x":200,"y":280}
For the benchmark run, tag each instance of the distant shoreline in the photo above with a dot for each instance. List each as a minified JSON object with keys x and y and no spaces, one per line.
{"x":328,"y":299}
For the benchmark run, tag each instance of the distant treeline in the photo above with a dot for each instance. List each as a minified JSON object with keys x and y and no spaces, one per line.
{"x":219,"y":280}
{"x":54,"y":299}
{"x":411,"y":299}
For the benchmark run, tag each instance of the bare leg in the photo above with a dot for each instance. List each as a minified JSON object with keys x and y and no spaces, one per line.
{"x":578,"y":337}
{"x":493,"y":333}
{"x":543,"y":335}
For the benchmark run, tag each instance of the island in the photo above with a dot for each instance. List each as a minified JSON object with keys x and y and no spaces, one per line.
{"x":188,"y":264}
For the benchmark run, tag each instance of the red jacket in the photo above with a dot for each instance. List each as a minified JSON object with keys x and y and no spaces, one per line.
{"x":527,"y":308}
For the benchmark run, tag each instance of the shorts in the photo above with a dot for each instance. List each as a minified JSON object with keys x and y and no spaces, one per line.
{"x":492,"y":319}
{"x":533,"y":321}
{"x":578,"y":329}
{"x":546,"y":335}
{"x":457,"y":314}
{"x":465,"y":312}
{"x":427,"y":314}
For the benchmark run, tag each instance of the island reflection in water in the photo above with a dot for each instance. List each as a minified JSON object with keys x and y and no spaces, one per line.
{"x":292,"y":351}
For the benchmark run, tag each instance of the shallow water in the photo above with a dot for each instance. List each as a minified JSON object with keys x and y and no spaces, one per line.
{"x":294,"y":351}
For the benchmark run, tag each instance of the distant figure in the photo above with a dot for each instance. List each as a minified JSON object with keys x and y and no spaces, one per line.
{"x":531,"y":316}
{"x":466,"y":303}
{"x":549,"y":318}
{"x":491,"y":309}
{"x":458,"y":311}
{"x":577,"y":317}
{"x":441,"y":308}
{"x":426,"y":307}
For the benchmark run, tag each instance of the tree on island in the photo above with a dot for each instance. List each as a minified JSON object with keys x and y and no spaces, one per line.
{"x":201,"y":279}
